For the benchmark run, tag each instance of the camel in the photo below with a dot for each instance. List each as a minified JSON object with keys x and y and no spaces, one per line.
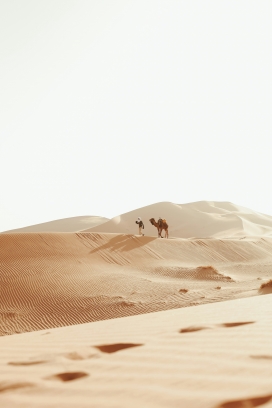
{"x":160,"y":225}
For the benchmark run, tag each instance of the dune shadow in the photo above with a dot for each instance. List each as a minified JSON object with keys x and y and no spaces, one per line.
{"x":124,"y":243}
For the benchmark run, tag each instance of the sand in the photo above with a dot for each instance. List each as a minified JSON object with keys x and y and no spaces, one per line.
{"x":111,"y":319}
{"x":202,"y":219}
{"x":72,"y":224}
{"x":215,"y":355}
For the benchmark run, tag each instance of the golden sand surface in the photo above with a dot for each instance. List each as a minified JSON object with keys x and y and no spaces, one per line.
{"x":216,"y":355}
{"x":57,"y":279}
{"x":111,"y":319}
{"x":202,"y":219}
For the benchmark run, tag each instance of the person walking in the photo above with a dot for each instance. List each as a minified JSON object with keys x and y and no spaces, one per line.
{"x":141,"y":225}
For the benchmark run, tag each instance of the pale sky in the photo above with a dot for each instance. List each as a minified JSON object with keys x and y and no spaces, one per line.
{"x":107,"y":106}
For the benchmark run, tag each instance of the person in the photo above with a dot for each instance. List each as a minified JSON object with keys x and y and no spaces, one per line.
{"x":160,"y":221}
{"x":141,"y":225}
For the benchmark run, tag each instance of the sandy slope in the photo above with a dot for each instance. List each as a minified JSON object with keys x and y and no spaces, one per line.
{"x":217,"y":354}
{"x":201,"y":220}
{"x":56,"y":279}
{"x":72,"y":224}
{"x":211,"y":356}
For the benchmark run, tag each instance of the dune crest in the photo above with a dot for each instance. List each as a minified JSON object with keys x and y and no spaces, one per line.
{"x":111,"y":280}
{"x":203,"y":219}
{"x":57,"y":279}
{"x":72,"y":224}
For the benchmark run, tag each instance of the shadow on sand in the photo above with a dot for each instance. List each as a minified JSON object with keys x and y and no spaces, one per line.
{"x":124,"y":243}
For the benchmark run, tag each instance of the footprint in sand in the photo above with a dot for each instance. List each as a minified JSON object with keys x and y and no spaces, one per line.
{"x":83,"y":354}
{"x":193,"y":329}
{"x":74,"y":355}
{"x":26,"y":363}
{"x":262,"y":357}
{"x":113,"y":348}
{"x":7,"y":386}
{"x":67,"y":376}
{"x":198,"y":328}
{"x":248,"y":402}
{"x":234,"y":324}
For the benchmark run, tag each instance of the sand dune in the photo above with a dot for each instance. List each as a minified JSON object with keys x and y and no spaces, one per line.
{"x":202,"y":219}
{"x":57,"y":279}
{"x":210,"y":356}
{"x":72,"y":224}
{"x":217,"y":354}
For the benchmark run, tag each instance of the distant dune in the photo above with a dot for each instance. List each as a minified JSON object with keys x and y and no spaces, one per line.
{"x":203,"y":219}
{"x":72,"y":224}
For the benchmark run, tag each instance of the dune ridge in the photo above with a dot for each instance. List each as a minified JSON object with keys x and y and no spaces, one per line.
{"x":201,"y":219}
{"x":57,"y":279}
{"x":206,"y":344}
{"x":72,"y":224}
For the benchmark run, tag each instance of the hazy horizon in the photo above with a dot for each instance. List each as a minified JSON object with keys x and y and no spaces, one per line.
{"x":111,"y":106}
{"x":81,"y":221}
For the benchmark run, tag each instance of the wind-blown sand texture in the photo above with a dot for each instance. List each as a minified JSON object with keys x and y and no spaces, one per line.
{"x":56,"y":279}
{"x":72,"y":224}
{"x":217,"y":354}
{"x":210,"y":356}
{"x":202,"y":219}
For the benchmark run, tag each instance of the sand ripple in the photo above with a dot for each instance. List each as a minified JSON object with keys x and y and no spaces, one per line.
{"x":59,"y":279}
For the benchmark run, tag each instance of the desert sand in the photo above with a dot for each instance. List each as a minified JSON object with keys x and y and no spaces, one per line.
{"x":201,"y":219}
{"x":106,"y":318}
{"x":72,"y":224}
{"x":215,"y":355}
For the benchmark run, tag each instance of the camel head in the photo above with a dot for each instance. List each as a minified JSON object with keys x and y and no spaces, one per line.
{"x":152,"y":220}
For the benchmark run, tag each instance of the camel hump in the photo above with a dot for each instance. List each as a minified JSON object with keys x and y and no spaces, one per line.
{"x":161,"y":222}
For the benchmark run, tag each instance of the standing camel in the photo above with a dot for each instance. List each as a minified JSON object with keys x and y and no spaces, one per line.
{"x":160,"y":225}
